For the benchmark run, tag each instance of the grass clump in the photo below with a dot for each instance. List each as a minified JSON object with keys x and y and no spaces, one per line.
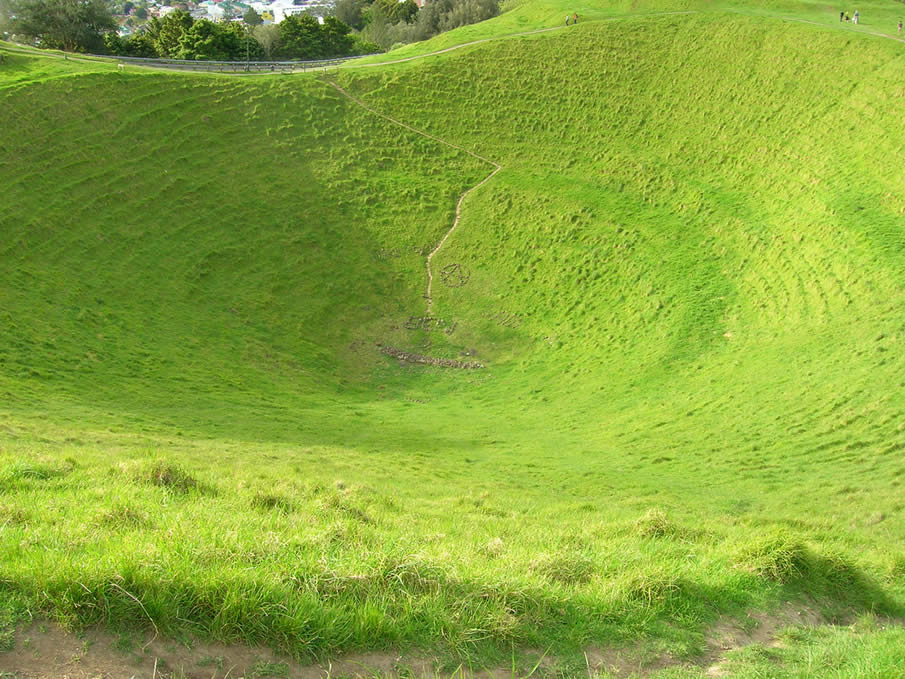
{"x":265,"y":668}
{"x":778,"y":557}
{"x":170,"y":476}
{"x":273,"y":502}
{"x":566,"y":568}
{"x":412,"y":574}
{"x":123,"y":517}
{"x":13,"y":515}
{"x":493,"y":548}
{"x":655,"y":524}
{"x":23,"y":472}
{"x":648,"y":588}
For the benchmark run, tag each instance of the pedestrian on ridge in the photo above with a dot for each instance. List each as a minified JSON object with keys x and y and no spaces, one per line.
{"x":575,"y":18}
{"x":841,"y":16}
{"x":856,"y":17}
{"x":900,"y":27}
{"x":567,"y":19}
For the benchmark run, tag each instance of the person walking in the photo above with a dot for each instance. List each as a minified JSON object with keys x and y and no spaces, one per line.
{"x":567,"y":19}
{"x":855,"y":17}
{"x":841,"y":17}
{"x":900,"y":27}
{"x":575,"y":18}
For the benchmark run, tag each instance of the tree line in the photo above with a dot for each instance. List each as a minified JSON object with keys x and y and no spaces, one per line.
{"x":358,"y":27}
{"x":389,"y":23}
{"x":88,"y":26}
{"x":179,"y":36}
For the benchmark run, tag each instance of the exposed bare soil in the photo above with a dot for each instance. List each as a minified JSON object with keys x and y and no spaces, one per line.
{"x":47,"y":651}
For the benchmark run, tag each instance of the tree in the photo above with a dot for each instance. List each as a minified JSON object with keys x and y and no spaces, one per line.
{"x":252,"y":18}
{"x":351,"y":12}
{"x":167,"y":32}
{"x":139,"y":45}
{"x":377,"y":30}
{"x":396,"y":11}
{"x":207,"y":40}
{"x":71,"y":25}
{"x":249,"y":49}
{"x":464,"y":12}
{"x":141,"y":13}
{"x":268,"y":37}
{"x":301,"y":38}
{"x":336,"y":37}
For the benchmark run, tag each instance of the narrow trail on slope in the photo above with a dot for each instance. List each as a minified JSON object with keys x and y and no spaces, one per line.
{"x":496,"y":168}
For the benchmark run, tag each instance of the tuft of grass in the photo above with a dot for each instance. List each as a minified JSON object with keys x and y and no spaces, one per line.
{"x":122,"y":517}
{"x":493,"y":547}
{"x":777,"y":556}
{"x":269,"y":501}
{"x":566,"y":568}
{"x":264,"y":668}
{"x":29,"y":470}
{"x":169,"y":475}
{"x":648,"y":588}
{"x":655,"y":524}
{"x":13,"y":515}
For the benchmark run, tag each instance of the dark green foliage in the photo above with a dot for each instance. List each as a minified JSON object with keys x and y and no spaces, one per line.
{"x":351,"y":12}
{"x":166,"y":34}
{"x":396,"y":11}
{"x":336,"y":38}
{"x":72,"y":25}
{"x":388,"y":22}
{"x":205,"y":40}
{"x":178,"y":36}
{"x":301,"y":38}
{"x":252,"y":18}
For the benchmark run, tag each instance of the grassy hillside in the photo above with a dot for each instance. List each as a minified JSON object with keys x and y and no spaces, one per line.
{"x":684,"y":284}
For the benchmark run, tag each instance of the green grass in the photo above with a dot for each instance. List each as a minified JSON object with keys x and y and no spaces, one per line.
{"x":685,"y":283}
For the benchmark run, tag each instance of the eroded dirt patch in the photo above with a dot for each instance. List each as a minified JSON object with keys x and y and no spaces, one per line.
{"x":728,"y":634}
{"x":46,"y":651}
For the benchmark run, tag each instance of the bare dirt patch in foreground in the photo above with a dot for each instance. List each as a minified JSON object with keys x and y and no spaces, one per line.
{"x":47,"y":651}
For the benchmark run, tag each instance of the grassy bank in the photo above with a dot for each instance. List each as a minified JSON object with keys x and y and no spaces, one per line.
{"x":684,"y":285}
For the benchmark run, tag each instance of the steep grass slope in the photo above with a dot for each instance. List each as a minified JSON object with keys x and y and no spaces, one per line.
{"x":684,"y":283}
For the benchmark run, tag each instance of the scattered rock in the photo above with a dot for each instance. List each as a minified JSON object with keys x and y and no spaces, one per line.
{"x":429,"y":360}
